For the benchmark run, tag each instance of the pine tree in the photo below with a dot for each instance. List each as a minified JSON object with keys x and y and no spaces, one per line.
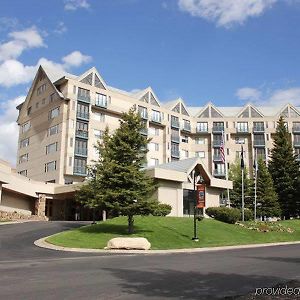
{"x":118,"y":181}
{"x":235,"y":174}
{"x":266,"y":195}
{"x":284,"y":170}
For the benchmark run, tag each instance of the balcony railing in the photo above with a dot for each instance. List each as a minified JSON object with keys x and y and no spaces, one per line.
{"x":143,"y":114}
{"x":218,"y":129}
{"x":83,"y":115}
{"x":259,"y":143}
{"x":81,"y":152}
{"x":219,"y":173}
{"x":156,"y":119}
{"x":175,"y":138}
{"x":175,"y":153}
{"x":186,"y":127}
{"x":80,"y":171}
{"x":82,"y":134}
{"x":217,"y":158}
{"x":296,"y":129}
{"x":84,"y":98}
{"x":297,"y":143}
{"x":144,"y":131}
{"x":217,"y":143}
{"x":258,"y":129}
{"x":242,"y":130}
{"x":175,"y":123}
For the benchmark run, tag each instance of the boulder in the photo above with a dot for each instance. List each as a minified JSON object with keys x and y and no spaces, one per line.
{"x":128,"y":243}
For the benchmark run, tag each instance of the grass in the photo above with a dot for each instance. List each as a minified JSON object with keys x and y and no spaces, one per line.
{"x":172,"y":233}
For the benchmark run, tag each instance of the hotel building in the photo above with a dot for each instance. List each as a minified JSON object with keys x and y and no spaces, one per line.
{"x":64,"y":115}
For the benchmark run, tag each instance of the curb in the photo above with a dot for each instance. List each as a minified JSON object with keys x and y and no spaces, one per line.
{"x":43,"y":244}
{"x":17,"y":222}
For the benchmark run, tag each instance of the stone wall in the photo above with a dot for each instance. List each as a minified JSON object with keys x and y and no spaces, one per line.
{"x":11,"y":216}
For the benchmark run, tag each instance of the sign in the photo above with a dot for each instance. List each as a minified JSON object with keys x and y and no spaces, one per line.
{"x":200,"y":195}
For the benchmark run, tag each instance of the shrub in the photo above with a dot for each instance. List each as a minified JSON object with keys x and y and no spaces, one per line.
{"x":162,"y":210}
{"x":248,"y":214}
{"x":224,"y":214}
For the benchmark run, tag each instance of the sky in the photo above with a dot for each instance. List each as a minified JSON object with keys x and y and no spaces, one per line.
{"x":226,"y":51}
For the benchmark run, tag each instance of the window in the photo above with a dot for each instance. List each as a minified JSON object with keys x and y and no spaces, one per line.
{"x":153,"y":146}
{"x":143,"y":112}
{"x":80,"y":166}
{"x":156,"y":116}
{"x":24,"y":143}
{"x":52,"y":98}
{"x":23,"y":173}
{"x":185,"y":154}
{"x":98,"y":116}
{"x":98,"y":133}
{"x":23,"y":158}
{"x":185,"y":139}
{"x":51,"y":148}
{"x":37,"y":105}
{"x":70,"y":161}
{"x":200,"y":154}
{"x":71,"y":142}
{"x":153,"y":162}
{"x":53,"y":130}
{"x":200,"y":141}
{"x":29,"y":110}
{"x":41,"y":89}
{"x":82,"y":111}
{"x":50,"y":166}
{"x":54,"y":113}
{"x":82,"y":129}
{"x":83,"y":94}
{"x":153,"y":131}
{"x":202,"y":126}
{"x":186,"y":125}
{"x":218,"y":126}
{"x":239,"y":140}
{"x":101,"y":100}
{"x":242,"y":127}
{"x":175,"y":122}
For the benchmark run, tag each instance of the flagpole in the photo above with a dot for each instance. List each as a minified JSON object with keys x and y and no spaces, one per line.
{"x":243,"y":202}
{"x":255,"y":186}
{"x":226,"y":170}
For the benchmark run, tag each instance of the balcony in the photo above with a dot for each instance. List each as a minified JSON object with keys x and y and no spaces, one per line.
{"x":83,"y":116}
{"x":84,"y":98}
{"x":296,"y":129}
{"x":175,"y":153}
{"x":81,"y":152}
{"x":82,"y":134}
{"x":186,"y":127}
{"x":156,"y":119}
{"x":144,"y":131}
{"x":143,"y":114}
{"x":297,"y":143}
{"x":80,"y":171}
{"x":101,"y":103}
{"x":175,"y":123}
{"x":217,"y":143}
{"x":259,"y":143}
{"x":217,"y":158}
{"x":258,"y":129}
{"x":219,"y":173}
{"x":175,"y":138}
{"x":217,"y":129}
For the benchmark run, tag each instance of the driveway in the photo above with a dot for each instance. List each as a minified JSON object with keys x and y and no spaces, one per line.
{"x":28,"y":272}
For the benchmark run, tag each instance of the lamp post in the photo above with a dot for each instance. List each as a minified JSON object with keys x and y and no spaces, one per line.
{"x":195,"y":238}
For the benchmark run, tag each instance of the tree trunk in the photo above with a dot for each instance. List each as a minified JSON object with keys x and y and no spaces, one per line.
{"x":130,"y":224}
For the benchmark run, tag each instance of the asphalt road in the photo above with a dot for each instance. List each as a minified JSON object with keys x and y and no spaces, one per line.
{"x":28,"y":272}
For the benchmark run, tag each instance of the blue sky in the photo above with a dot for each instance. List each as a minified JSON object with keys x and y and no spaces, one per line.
{"x":228,"y":52}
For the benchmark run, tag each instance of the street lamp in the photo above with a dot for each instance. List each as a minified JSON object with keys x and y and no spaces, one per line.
{"x":196,"y":174}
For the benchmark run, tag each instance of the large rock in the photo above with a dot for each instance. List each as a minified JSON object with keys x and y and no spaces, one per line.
{"x":129,"y":243}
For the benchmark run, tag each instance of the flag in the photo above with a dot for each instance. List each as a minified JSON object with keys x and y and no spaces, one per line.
{"x":222,"y":150}
{"x":242,"y":159}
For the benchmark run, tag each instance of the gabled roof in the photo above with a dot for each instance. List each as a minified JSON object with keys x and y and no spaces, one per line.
{"x":179,"y":105}
{"x":95,"y":76}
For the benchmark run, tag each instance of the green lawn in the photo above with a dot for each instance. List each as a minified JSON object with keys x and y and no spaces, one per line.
{"x":172,"y":233}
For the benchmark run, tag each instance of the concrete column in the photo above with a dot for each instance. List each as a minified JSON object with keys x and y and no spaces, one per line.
{"x":40,"y":206}
{"x":104,"y":215}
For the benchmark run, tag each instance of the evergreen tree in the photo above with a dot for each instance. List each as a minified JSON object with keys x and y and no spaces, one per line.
{"x":266,"y":194}
{"x":118,"y":181}
{"x":235,"y":174}
{"x":284,"y":170}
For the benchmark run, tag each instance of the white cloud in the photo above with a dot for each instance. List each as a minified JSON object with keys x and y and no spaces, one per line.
{"x":277,"y":97}
{"x":9,"y":129}
{"x":61,"y":28}
{"x":8,"y":23}
{"x":75,"y":59}
{"x":20,"y":41}
{"x":225,"y":12}
{"x":76,"y":4}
